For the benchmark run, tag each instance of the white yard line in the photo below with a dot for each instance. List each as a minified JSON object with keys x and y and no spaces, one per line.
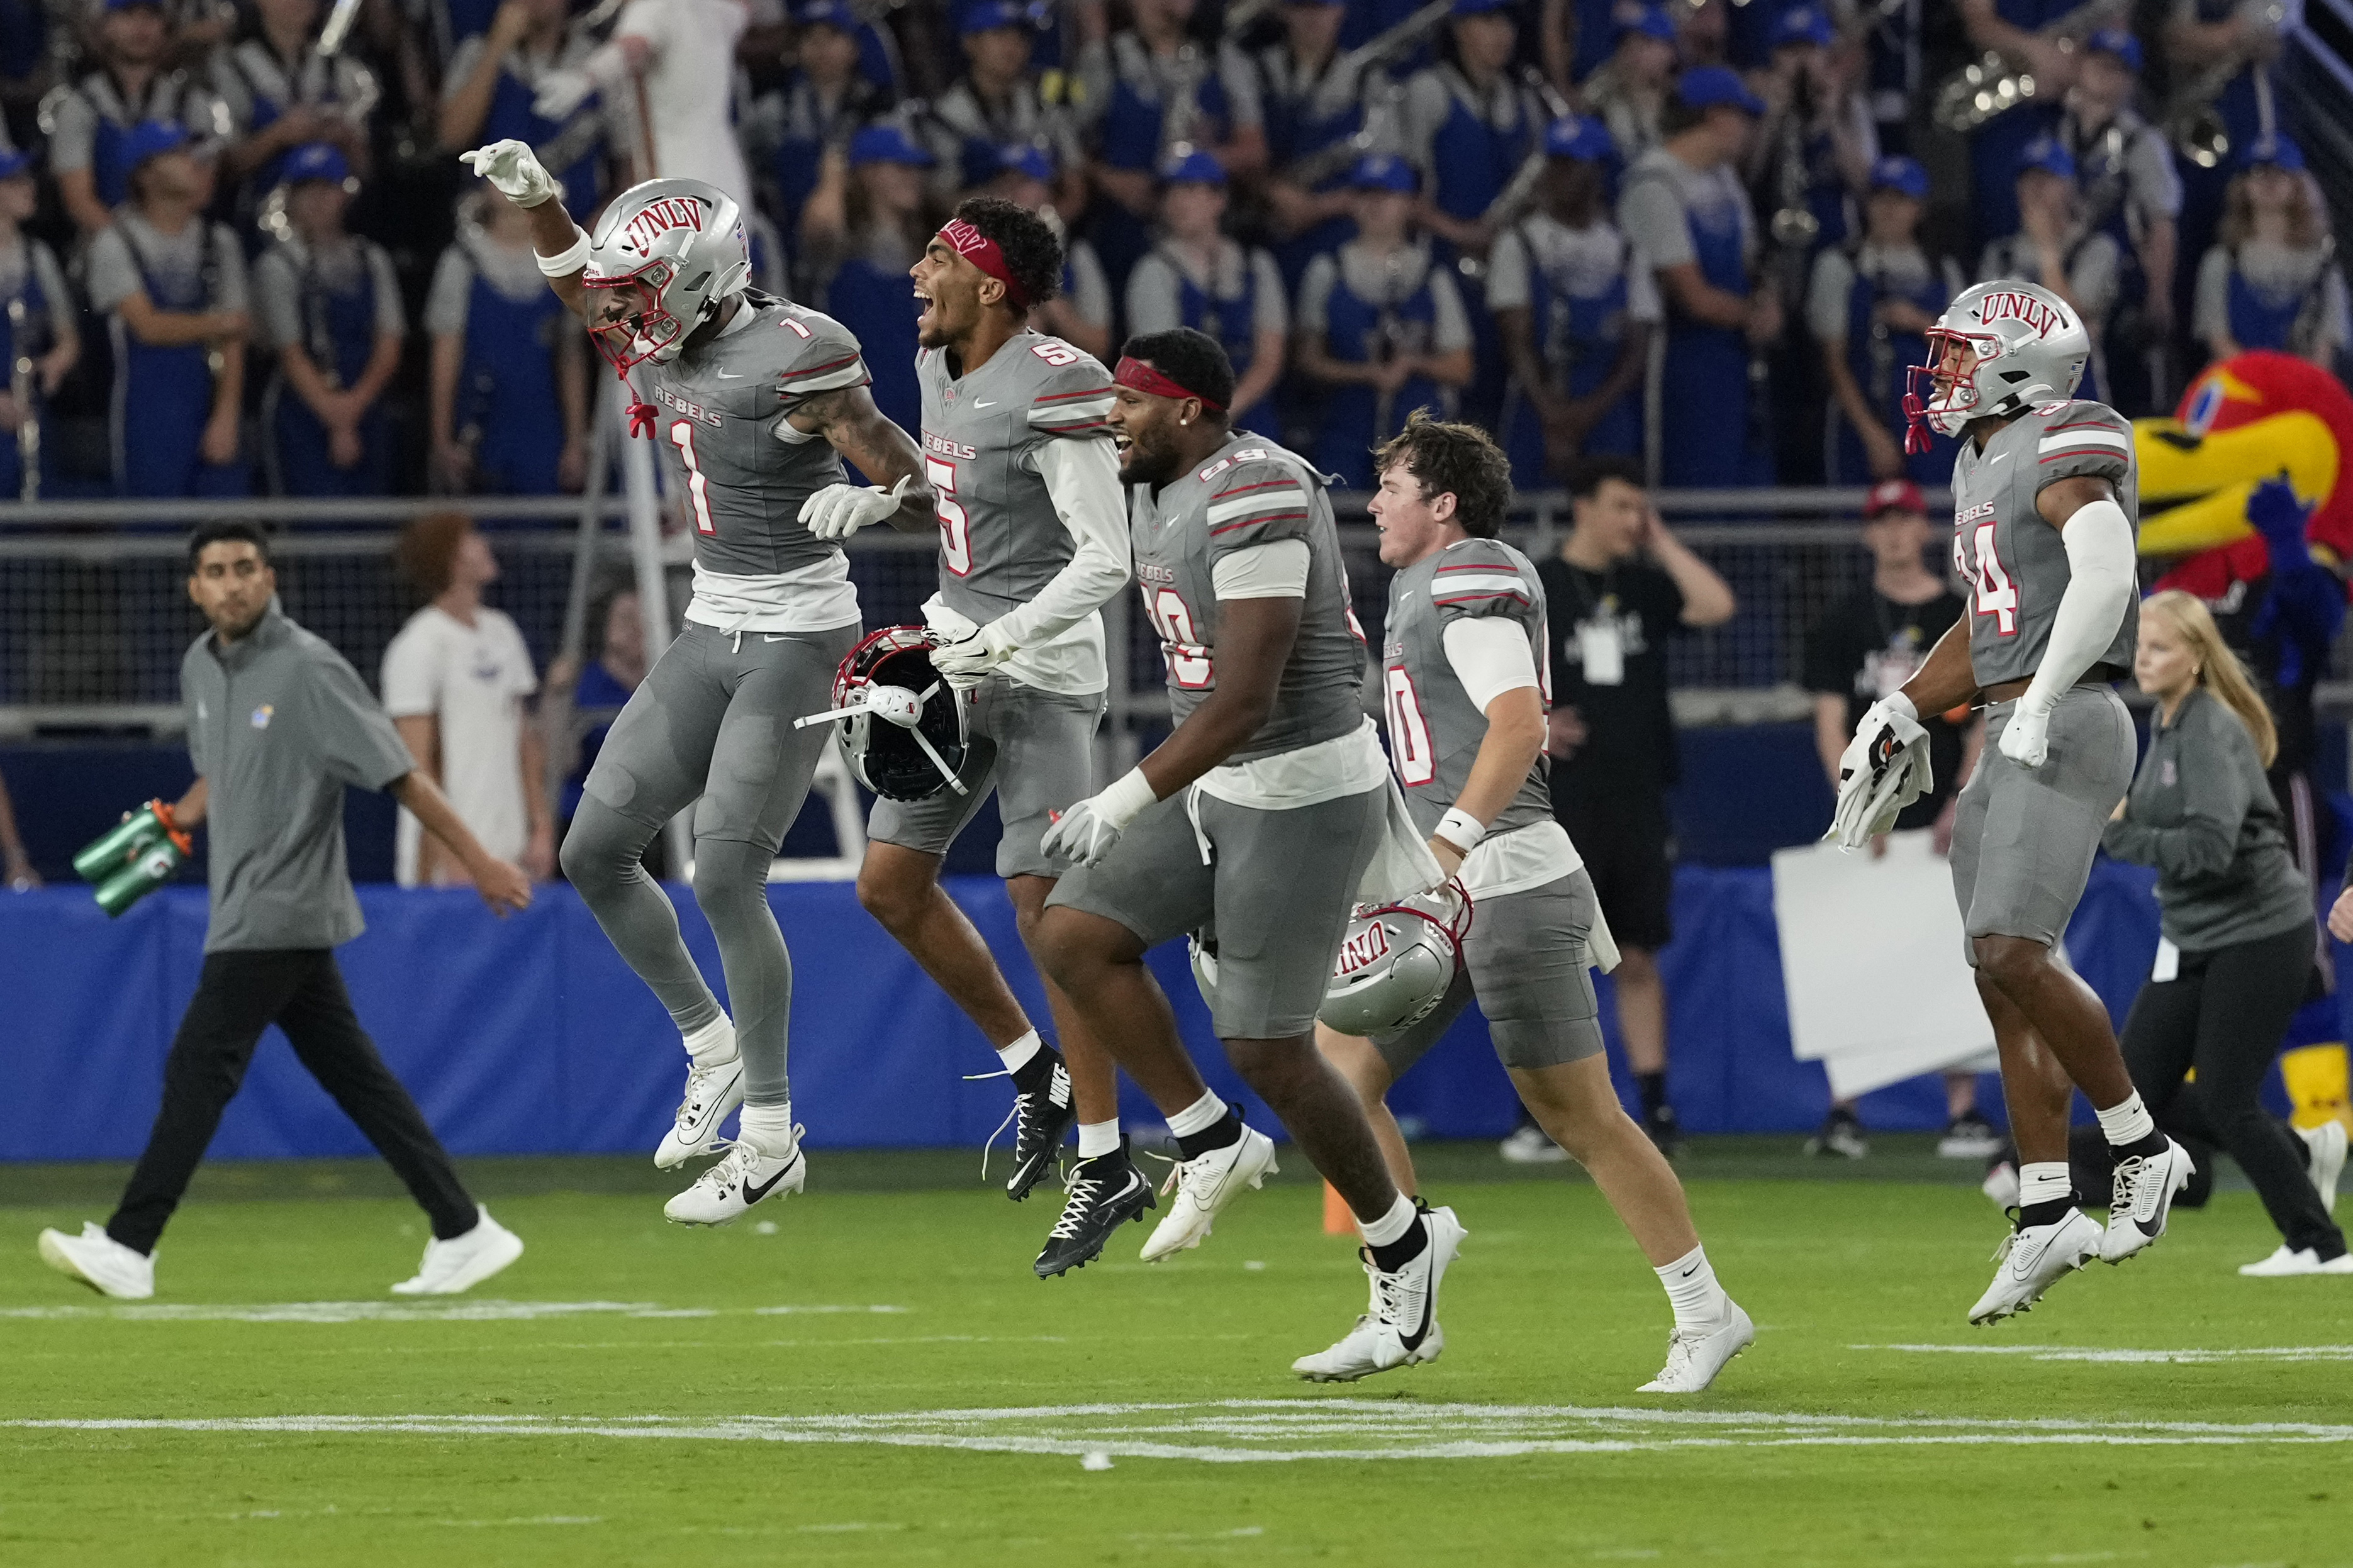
{"x":2100,"y":1353}
{"x":448,"y":1311}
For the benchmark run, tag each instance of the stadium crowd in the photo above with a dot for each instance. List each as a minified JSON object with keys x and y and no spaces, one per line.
{"x":241,"y":233}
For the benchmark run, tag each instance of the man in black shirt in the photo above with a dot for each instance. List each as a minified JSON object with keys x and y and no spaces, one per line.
{"x":1621,"y":587}
{"x":1866,"y":646}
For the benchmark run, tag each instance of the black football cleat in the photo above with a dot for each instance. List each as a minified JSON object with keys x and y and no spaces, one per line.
{"x":1106,"y":1193}
{"x":1042,"y":1116}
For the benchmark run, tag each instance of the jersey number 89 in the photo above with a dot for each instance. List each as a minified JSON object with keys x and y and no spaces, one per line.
{"x":1189,"y":665}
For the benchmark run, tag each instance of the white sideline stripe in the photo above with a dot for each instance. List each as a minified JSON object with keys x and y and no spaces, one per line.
{"x":1386,"y":1430}
{"x":2093,"y":1354}
{"x":2085,"y":437}
{"x":451,"y":1311}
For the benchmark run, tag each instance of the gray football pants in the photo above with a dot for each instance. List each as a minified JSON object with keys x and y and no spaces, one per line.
{"x":713,"y":720}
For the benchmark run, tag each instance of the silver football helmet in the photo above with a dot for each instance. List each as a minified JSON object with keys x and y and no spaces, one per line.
{"x":905,"y":733}
{"x":2025,"y":346}
{"x":681,"y":241}
{"x":1397,"y":963}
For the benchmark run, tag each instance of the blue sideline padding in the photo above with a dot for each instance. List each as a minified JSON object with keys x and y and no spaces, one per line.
{"x":529,"y":1035}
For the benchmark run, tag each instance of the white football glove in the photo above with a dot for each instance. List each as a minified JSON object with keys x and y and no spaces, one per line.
{"x":513,"y":171}
{"x":967,"y":661}
{"x":838,"y":511}
{"x":1884,"y":769}
{"x":2026,"y":739}
{"x":1086,"y":832}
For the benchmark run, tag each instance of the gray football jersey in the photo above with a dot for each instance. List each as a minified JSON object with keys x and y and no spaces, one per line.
{"x":1435,"y":728}
{"x":719,"y":407}
{"x":1251,"y":493}
{"x":1001,"y":539}
{"x":2014,"y":563}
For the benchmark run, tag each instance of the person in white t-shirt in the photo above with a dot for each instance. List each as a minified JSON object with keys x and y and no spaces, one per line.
{"x":456,"y":680}
{"x":668,"y":74}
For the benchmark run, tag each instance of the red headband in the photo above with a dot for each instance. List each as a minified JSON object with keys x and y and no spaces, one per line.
{"x":1144,"y":377}
{"x":986,"y":254}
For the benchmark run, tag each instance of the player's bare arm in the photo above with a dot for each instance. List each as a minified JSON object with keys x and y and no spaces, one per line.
{"x":1944,"y":680}
{"x":1514,"y":739}
{"x":514,"y":171}
{"x":2061,"y":500}
{"x":868,"y":440}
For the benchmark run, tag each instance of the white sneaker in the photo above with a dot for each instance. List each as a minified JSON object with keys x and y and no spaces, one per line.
{"x":1695,"y":1355}
{"x":2144,"y":1196}
{"x":2034,"y":1259}
{"x":2327,"y":1143}
{"x":714,"y":1087}
{"x":453,"y":1267}
{"x":1205,"y":1186}
{"x":2284,"y":1263}
{"x":724,"y":1191}
{"x":1400,"y":1326}
{"x":1530,"y":1144}
{"x":101,"y":1262}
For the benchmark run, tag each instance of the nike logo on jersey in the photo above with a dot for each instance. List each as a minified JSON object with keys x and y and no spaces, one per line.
{"x":985,"y":403}
{"x":1998,"y":458}
{"x":724,"y":376}
{"x":754,"y":1190}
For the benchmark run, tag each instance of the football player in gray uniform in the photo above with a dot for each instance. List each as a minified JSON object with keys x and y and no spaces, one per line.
{"x":753,"y":402}
{"x":1464,"y":678}
{"x":1256,"y":823}
{"x":2045,"y":526}
{"x":1032,"y":541}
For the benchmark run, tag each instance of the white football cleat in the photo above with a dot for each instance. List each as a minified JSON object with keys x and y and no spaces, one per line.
{"x":1205,"y":1186}
{"x":2326,"y":1161}
{"x":712,"y":1089}
{"x":2145,"y":1185}
{"x":453,"y":1267}
{"x":745,"y":1176}
{"x":1695,"y":1355}
{"x":2284,"y":1263}
{"x":2034,"y":1259}
{"x":1399,"y":1328}
{"x":101,"y":1262}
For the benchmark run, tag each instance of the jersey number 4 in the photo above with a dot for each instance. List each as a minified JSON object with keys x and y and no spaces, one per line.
{"x":681,"y":436}
{"x":1995,"y":594}
{"x":1189,"y":665}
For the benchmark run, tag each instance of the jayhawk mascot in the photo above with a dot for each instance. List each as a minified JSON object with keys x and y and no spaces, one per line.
{"x":2246,"y":498}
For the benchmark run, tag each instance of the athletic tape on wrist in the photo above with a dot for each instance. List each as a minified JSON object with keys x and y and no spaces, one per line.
{"x":574,"y":259}
{"x":1124,"y":799}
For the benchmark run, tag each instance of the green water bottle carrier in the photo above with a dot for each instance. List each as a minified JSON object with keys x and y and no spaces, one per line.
{"x":135,"y":857}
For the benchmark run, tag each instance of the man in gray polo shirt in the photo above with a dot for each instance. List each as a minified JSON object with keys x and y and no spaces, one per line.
{"x":278,"y":725}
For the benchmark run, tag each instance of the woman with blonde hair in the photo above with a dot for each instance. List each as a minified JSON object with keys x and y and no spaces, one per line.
{"x":2237,"y":955}
{"x":2271,"y":280}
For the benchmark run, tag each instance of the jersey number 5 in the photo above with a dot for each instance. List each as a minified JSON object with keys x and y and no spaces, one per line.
{"x":955,"y":528}
{"x":1996,"y":595}
{"x":681,"y":436}
{"x":1409,"y":732}
{"x":1189,"y":665}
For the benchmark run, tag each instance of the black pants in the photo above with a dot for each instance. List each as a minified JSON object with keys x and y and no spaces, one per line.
{"x":239,"y":996}
{"x":2224,"y":1015}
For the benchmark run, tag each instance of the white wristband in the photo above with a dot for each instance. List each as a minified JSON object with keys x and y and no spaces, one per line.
{"x":1460,"y":828}
{"x":1124,"y":799}
{"x":574,"y":259}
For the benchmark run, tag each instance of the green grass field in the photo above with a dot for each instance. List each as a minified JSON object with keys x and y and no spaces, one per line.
{"x":881,"y":1380}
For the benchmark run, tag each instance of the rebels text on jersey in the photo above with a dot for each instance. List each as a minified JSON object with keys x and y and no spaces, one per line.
{"x":1251,"y":492}
{"x":720,"y":422}
{"x":1435,"y":727}
{"x":2012,"y":563}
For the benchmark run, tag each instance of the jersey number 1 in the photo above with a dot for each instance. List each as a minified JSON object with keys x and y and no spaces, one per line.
{"x":1996,"y":595}
{"x":681,"y":436}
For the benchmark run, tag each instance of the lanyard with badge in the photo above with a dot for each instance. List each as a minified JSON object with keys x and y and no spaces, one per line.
{"x":1600,"y":641}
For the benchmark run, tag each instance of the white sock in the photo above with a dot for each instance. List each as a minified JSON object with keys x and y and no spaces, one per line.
{"x":1199,"y":1117}
{"x":1097,"y":1139}
{"x":768,"y":1129}
{"x":1016,"y":1056}
{"x":2044,"y":1182}
{"x":2126,"y":1121}
{"x":1391,"y":1226}
{"x":1698,"y":1300}
{"x":713,"y":1043}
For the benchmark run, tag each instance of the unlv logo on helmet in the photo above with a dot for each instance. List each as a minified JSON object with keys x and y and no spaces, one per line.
{"x":2010,"y":305}
{"x":1363,"y":947}
{"x":659,"y":218}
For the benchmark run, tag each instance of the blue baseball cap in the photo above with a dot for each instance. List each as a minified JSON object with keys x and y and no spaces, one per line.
{"x":988,"y":15}
{"x":826,"y":13}
{"x":316,"y":161}
{"x":1195,"y":168}
{"x":1381,"y":171}
{"x":886,"y":143}
{"x":2117,"y":41}
{"x":1581,"y":137}
{"x":2280,"y":151}
{"x":1651,"y":21}
{"x":1903,"y":174}
{"x":1706,"y":87}
{"x":152,"y":139}
{"x":14,"y":162}
{"x":1802,"y":25}
{"x":1026,"y":158}
{"x":1479,"y":7}
{"x":2045,"y":154}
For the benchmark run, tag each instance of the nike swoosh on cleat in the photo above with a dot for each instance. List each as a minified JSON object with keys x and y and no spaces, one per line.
{"x":754,"y":1193}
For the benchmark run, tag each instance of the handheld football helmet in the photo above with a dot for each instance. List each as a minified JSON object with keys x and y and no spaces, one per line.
{"x":1397,"y":961}
{"x":682,"y":242}
{"x":904,"y":727}
{"x":2029,"y":346}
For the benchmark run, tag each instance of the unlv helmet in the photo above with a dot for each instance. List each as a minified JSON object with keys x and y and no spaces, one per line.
{"x":903,"y":726}
{"x":682,"y":242}
{"x":1397,"y":961}
{"x":2031,"y":347}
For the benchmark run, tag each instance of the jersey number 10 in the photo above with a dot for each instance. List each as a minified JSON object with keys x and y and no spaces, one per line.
{"x":1995,"y":594}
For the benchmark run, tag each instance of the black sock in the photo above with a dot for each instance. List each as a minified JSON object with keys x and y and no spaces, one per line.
{"x":2147,"y":1148}
{"x":1038,"y":1072}
{"x":2045,"y":1214}
{"x":1404,"y":1249}
{"x":1653,"y":1088}
{"x":1226,"y":1130}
